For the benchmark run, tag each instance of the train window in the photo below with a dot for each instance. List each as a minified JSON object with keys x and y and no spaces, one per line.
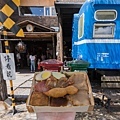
{"x":103,"y":30}
{"x":81,"y":26}
{"x":106,"y":15}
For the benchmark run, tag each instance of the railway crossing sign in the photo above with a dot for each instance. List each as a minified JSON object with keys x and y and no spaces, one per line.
{"x":5,"y":14}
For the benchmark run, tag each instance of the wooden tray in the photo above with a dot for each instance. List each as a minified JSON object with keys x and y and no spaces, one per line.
{"x":37,"y":109}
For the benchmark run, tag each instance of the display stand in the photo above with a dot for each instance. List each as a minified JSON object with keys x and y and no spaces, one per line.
{"x":55,"y":115}
{"x":60,"y":113}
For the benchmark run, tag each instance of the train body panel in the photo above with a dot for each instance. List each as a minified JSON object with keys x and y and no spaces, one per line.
{"x":74,"y":34}
{"x":96,"y":34}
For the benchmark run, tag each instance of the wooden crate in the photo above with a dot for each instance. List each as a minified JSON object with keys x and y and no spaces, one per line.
{"x":87,"y":108}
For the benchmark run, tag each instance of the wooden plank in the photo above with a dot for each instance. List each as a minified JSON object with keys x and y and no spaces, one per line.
{"x":90,"y":92}
{"x":61,"y":43}
{"x":110,"y":85}
{"x":110,"y":81}
{"x":110,"y":78}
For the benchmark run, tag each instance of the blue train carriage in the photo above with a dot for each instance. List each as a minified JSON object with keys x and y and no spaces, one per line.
{"x":96,"y":35}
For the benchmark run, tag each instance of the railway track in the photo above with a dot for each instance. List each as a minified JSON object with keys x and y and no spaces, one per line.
{"x":106,"y":97}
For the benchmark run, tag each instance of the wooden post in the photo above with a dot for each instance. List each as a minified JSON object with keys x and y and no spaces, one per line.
{"x":60,"y":44}
{"x":3,"y":86}
{"x":11,"y":83}
{"x":54,"y":51}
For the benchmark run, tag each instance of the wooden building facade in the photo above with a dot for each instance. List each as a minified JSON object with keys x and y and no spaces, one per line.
{"x":65,"y":10}
{"x":39,"y":22}
{"x":47,"y":26}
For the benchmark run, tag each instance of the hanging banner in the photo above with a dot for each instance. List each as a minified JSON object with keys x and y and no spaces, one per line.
{"x":8,"y":66}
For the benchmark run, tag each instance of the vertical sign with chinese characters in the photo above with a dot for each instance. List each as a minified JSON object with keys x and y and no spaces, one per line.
{"x":8,"y":66}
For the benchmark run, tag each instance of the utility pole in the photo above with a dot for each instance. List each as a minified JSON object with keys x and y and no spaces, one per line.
{"x":3,"y":86}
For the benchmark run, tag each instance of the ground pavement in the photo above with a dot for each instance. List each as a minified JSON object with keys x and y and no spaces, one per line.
{"x":22,"y":86}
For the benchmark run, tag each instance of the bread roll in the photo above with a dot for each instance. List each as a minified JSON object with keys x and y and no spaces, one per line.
{"x":51,"y":82}
{"x":62,"y":82}
{"x":39,"y":99}
{"x":81,"y":98}
{"x":41,"y":87}
{"x":71,"y":90}
{"x":80,"y":81}
{"x":57,"y":102}
{"x":56,"y":92}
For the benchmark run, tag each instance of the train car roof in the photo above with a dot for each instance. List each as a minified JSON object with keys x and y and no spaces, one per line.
{"x":91,"y":3}
{"x":104,"y":1}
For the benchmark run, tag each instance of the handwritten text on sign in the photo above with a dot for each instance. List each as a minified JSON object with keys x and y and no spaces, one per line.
{"x":8,"y":66}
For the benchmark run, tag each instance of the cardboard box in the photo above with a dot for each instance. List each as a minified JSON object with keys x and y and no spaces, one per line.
{"x":87,"y":108}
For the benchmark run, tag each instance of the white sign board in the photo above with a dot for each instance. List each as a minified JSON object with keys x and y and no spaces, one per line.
{"x":8,"y":66}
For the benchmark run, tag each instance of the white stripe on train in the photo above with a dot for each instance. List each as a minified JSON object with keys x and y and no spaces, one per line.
{"x":97,"y":41}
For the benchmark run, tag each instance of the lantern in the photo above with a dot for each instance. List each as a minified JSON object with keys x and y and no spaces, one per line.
{"x":21,"y":47}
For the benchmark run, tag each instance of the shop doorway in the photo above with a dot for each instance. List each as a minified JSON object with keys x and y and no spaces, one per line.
{"x":38,"y":48}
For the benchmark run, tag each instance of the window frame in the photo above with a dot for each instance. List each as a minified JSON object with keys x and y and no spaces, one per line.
{"x":106,"y":11}
{"x":104,"y":35}
{"x":82,"y":15}
{"x":44,"y":11}
{"x":50,"y":10}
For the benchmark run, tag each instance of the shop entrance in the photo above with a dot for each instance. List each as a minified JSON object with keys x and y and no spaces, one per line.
{"x":40,"y":40}
{"x":41,"y":49}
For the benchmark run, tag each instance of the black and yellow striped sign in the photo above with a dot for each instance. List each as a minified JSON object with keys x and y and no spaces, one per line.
{"x":11,"y":83}
{"x":5,"y":14}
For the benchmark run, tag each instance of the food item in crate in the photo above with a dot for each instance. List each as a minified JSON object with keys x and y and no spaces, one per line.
{"x":61,"y":92}
{"x":64,"y":82}
{"x":41,"y":87}
{"x":68,"y":74}
{"x":71,"y":90}
{"x":56,"y":92}
{"x":58,"y":75}
{"x":57,"y":102}
{"x":51,"y":82}
{"x":81,"y":98}
{"x":64,"y":91}
{"x":71,"y":81}
{"x":80,"y":81}
{"x":61,"y":82}
{"x":43,"y":75}
{"x":39,"y":99}
{"x":71,"y":78}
